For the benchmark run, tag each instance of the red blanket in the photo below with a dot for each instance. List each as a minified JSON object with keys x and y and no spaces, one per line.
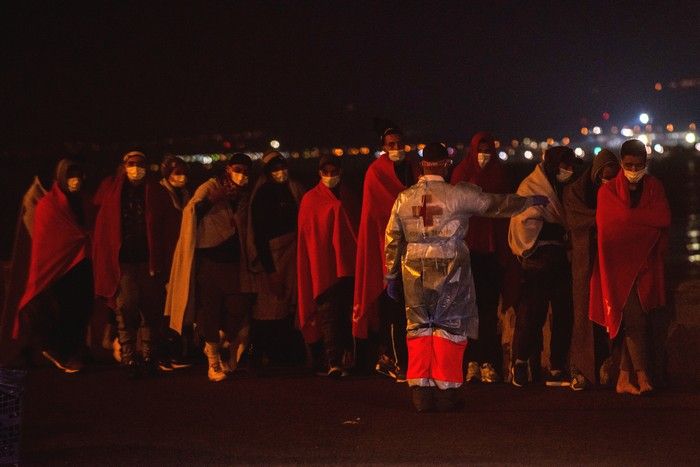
{"x":58,"y":244}
{"x":326,"y":246}
{"x":108,"y":237}
{"x":631,"y":246}
{"x":381,"y":187}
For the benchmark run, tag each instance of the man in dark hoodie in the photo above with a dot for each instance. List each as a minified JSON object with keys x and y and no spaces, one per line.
{"x":538,"y":237}
{"x":589,"y":341}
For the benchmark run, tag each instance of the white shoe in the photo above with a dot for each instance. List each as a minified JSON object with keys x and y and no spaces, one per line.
{"x":473,"y":373}
{"x":117,"y":350}
{"x":215,"y":373}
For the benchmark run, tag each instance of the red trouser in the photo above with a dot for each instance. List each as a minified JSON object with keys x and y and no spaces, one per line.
{"x":435,"y":358}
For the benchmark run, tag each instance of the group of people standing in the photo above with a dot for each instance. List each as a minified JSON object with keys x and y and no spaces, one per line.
{"x":419,"y":267}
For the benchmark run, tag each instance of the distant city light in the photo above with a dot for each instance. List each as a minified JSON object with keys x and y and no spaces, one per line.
{"x":606,"y":116}
{"x":533,"y":144}
{"x":596,"y":130}
{"x":526,"y":141}
{"x":337,"y":152}
{"x":648,"y":148}
{"x":565,"y":140}
{"x":644,"y":118}
{"x":579,"y":152}
{"x":274,"y":144}
{"x":658,"y":87}
{"x":614,"y":130}
{"x":627,"y":132}
{"x":692,"y":127}
{"x":658,"y":148}
{"x":407,"y":148}
{"x":514,"y":143}
{"x":450,"y":151}
{"x":596,"y":150}
{"x":584,"y":131}
{"x":364,"y":150}
{"x":697,"y":147}
{"x":528,"y":155}
{"x":669,"y":127}
{"x":643,"y":138}
{"x":690,"y":137}
{"x":503,"y":156}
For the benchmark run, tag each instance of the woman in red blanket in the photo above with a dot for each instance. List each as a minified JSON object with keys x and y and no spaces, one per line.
{"x":628,"y":281}
{"x":58,"y":296}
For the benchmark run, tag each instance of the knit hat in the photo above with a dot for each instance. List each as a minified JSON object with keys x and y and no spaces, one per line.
{"x":604,"y":158}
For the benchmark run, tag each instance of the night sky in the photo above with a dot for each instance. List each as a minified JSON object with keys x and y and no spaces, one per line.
{"x":317,"y":73}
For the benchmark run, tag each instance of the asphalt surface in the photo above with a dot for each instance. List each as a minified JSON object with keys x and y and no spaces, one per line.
{"x":100,"y":418}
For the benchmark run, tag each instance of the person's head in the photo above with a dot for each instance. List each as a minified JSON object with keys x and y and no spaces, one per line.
{"x":329,"y":170}
{"x":69,"y":176}
{"x":483,"y":148}
{"x":238,"y":169}
{"x":135,"y":166}
{"x":392,"y":143}
{"x":559,"y":163}
{"x":605,"y":167}
{"x":174,"y":170}
{"x":275,"y":166}
{"x":436,"y":160}
{"x":633,"y":159}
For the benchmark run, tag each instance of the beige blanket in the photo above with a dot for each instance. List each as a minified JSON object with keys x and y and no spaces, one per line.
{"x":525,"y":227}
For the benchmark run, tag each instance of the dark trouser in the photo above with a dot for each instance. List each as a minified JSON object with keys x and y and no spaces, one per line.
{"x":277,"y":340}
{"x":334,"y":307}
{"x":222,"y":304}
{"x":139,"y":305}
{"x":634,"y":354}
{"x":58,"y":318}
{"x":488,"y":277}
{"x":547,"y":281}
{"x":393,"y":329}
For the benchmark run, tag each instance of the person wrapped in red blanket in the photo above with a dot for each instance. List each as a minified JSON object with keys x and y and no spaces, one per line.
{"x":628,"y":279}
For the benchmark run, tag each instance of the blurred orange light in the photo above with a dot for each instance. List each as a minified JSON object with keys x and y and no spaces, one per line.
{"x":337,"y":152}
{"x":514,"y":143}
{"x":420,"y":146}
{"x":565,"y":140}
{"x":364,"y":150}
{"x":692,"y":127}
{"x":658,"y":87}
{"x":669,"y":127}
{"x":550,"y":141}
{"x":407,"y":148}
{"x":584,"y":131}
{"x":496,"y":144}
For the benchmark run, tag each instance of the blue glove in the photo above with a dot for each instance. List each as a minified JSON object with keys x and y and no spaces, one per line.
{"x":394,"y":289}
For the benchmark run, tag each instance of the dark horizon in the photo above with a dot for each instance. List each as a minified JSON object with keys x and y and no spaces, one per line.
{"x":317,"y":74}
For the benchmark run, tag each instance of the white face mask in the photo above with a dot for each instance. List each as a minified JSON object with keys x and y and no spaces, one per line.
{"x":483,"y":158}
{"x":634,"y":177}
{"x":280,"y":176}
{"x":135,"y":172}
{"x":564,"y":175}
{"x":74,"y":184}
{"x":330,"y":182}
{"x":396,"y":155}
{"x":177,"y":181}
{"x":239,"y":178}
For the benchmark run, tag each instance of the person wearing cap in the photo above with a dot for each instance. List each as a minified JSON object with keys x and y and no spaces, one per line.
{"x":130,"y":260}
{"x":491,"y":259}
{"x":538,"y":237}
{"x":273,"y":215}
{"x":373,"y":310}
{"x":58,"y":296}
{"x":426,"y":252}
{"x":209,"y":279}
{"x":327,"y":243}
{"x":627,"y":285}
{"x":588,"y":341}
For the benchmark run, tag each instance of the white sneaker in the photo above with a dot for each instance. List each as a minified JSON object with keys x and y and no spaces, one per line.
{"x":489,"y":374}
{"x":473,"y":373}
{"x":117,"y":350}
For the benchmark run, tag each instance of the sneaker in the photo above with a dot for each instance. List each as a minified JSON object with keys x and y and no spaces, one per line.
{"x":336,"y":372}
{"x":165,"y":366}
{"x":216,"y":374}
{"x":578,"y":381}
{"x":177,"y":364}
{"x":556,"y":379}
{"x":386,"y":366}
{"x":66,"y":368}
{"x":473,"y":373}
{"x":400,"y":375}
{"x":489,"y":374}
{"x":519,"y":374}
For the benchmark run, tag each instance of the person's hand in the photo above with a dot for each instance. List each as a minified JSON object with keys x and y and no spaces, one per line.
{"x":539,"y":200}
{"x":394,"y":289}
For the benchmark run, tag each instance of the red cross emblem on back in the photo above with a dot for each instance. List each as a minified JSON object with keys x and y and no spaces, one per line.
{"x":426,"y":211}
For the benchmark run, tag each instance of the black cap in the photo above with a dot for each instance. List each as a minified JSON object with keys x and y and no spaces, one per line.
{"x":240,"y":159}
{"x":435,"y":152}
{"x":633,"y":147}
{"x":169,"y":164}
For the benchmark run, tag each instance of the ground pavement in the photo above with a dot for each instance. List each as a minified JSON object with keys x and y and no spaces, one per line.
{"x":101,"y":418}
